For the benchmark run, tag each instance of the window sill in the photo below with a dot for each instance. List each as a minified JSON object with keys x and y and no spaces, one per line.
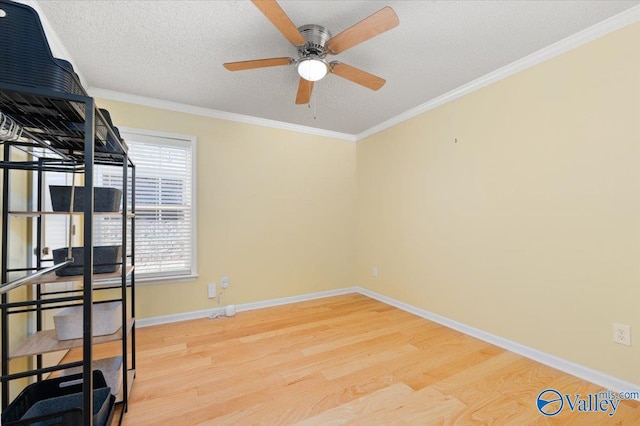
{"x":165,"y":280}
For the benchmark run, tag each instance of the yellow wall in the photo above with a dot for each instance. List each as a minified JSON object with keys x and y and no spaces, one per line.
{"x":275,"y":209}
{"x":529,"y":226}
{"x":18,"y":249}
{"x":526,"y":227}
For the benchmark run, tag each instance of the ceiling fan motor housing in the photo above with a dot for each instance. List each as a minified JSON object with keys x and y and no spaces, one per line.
{"x":315,"y":36}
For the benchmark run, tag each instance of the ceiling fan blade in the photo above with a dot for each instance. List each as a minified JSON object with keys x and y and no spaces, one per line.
{"x":356,"y":75}
{"x":305,"y":87}
{"x":274,"y":13}
{"x":381,"y":21}
{"x":257,"y":63}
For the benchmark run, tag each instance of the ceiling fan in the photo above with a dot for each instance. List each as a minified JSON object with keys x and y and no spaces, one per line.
{"x":314,"y":43}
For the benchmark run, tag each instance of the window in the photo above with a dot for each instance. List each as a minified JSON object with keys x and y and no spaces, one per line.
{"x":165,"y":237}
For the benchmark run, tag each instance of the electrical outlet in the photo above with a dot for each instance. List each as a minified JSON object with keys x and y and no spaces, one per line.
{"x":622,"y":334}
{"x":375,"y":272}
{"x":224,"y":281}
{"x":212,"y":292}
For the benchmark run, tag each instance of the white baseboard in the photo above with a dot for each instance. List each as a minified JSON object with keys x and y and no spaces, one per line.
{"x":166,"y":319}
{"x":588,"y":374}
{"x":585,"y":373}
{"x":295,"y":299}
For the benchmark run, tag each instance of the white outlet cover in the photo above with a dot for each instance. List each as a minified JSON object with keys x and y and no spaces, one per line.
{"x":622,"y":334}
{"x":211,"y":291}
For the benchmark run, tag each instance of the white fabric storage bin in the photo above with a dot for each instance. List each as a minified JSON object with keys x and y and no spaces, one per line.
{"x":111,"y":369}
{"x":107,"y":319}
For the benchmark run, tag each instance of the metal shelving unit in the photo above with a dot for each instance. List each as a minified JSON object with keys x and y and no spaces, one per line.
{"x":63,"y":132}
{"x":46,"y":113}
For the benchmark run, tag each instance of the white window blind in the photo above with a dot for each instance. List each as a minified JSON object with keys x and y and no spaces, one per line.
{"x":165,"y":238}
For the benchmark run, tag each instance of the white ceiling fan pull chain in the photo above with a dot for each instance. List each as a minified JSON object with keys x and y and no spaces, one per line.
{"x":314,"y":95}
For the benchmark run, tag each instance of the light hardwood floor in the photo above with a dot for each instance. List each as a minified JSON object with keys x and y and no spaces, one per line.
{"x":340,"y":359}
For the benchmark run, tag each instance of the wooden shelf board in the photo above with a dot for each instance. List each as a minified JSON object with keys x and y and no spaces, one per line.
{"x":36,"y":214}
{"x":46,"y":341}
{"x":98,"y":279}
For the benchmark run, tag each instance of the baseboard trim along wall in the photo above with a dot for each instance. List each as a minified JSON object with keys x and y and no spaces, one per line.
{"x":593,"y":376}
{"x":166,"y":319}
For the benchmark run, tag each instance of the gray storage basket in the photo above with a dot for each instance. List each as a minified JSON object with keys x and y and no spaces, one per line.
{"x":104,"y":199}
{"x":105,"y":260}
{"x":46,"y":390}
{"x":102,"y":403}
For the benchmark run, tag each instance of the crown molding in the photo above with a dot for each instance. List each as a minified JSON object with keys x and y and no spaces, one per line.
{"x":213,"y":113}
{"x":600,"y":29}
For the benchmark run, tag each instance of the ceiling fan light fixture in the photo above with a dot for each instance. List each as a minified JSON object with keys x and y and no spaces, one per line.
{"x":312,"y":69}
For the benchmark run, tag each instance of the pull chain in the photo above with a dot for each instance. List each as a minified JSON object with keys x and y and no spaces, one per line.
{"x":312,"y":101}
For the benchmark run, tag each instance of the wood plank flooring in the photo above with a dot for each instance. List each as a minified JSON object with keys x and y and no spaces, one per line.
{"x":346,"y":359}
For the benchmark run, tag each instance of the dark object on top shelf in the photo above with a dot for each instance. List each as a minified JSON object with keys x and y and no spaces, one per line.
{"x":101,"y":129}
{"x":110,"y":140}
{"x":33,"y":88}
{"x":104,"y":199}
{"x":26,"y":56}
{"x":59,"y":402}
{"x":105,"y":260}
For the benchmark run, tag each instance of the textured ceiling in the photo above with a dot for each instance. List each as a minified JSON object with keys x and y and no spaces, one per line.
{"x":174,"y":51}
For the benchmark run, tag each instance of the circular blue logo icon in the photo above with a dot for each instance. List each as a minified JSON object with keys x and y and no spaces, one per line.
{"x":549,"y":402}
